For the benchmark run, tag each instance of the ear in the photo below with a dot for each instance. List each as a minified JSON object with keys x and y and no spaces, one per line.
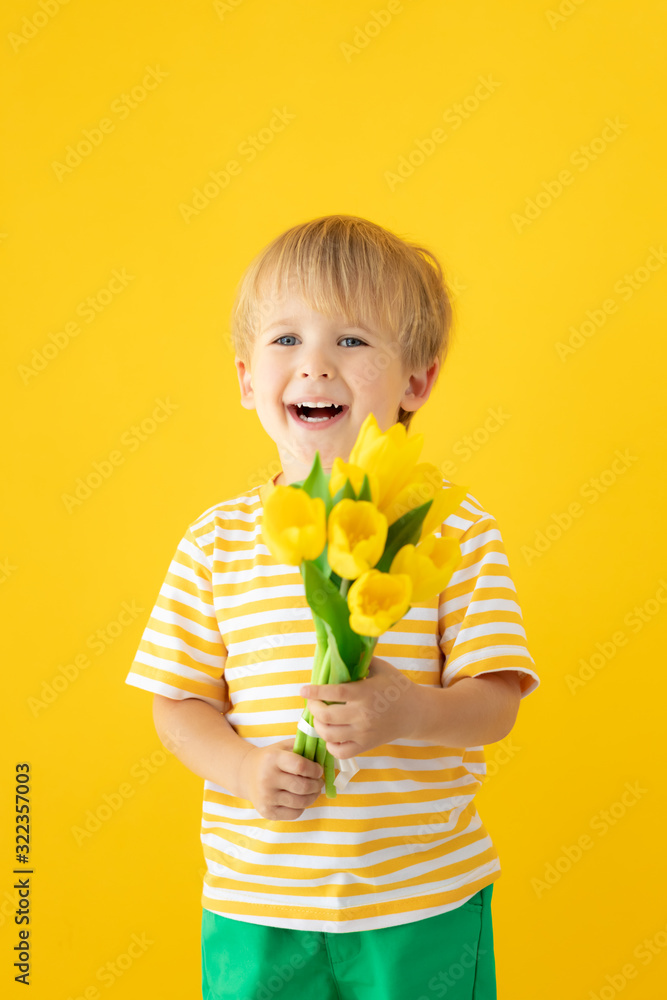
{"x":245,"y":383}
{"x":420,"y":385}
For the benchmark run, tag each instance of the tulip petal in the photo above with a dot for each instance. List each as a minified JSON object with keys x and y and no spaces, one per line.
{"x":377,"y":601}
{"x":357,"y":532}
{"x":429,"y":565}
{"x":388,"y":457}
{"x":446,"y":501}
{"x":293,"y":525}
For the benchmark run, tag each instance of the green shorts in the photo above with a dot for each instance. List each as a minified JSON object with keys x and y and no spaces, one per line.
{"x":449,"y":955}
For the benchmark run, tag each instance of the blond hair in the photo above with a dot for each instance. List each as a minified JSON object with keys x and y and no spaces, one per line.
{"x":348,"y":266}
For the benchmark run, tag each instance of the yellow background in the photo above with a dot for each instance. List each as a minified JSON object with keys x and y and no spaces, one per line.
{"x":68,"y":571}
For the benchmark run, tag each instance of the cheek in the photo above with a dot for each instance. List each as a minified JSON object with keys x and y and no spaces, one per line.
{"x":377,"y":399}
{"x":267,"y":378}
{"x":374,"y":377}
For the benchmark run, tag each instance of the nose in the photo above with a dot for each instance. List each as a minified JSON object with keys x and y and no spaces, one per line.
{"x":316,"y":363}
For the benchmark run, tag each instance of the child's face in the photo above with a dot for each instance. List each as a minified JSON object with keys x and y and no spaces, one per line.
{"x":299,"y":355}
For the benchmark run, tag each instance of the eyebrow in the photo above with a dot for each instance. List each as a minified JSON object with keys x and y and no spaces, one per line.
{"x":291,"y":321}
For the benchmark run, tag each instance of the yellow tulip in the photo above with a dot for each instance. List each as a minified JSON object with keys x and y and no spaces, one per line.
{"x":294,"y":525}
{"x":357,"y":533}
{"x":429,"y":565}
{"x":423,"y":484}
{"x":377,"y":601}
{"x":342,"y":471}
{"x":390,"y":457}
{"x":446,"y":501}
{"x":426,"y":483}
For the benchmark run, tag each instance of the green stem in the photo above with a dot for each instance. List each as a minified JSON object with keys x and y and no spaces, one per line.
{"x":322,"y":755}
{"x":311,"y":747}
{"x":300,"y":740}
{"x":321,"y":752}
{"x":321,"y":676}
{"x":310,"y":742}
{"x":325,"y":667}
{"x":362,"y":666}
{"x":330,"y":788}
{"x":305,"y":745}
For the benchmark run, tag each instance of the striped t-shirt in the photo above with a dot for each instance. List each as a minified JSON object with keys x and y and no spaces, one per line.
{"x":403,"y":841}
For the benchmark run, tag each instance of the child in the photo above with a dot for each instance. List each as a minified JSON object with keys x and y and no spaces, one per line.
{"x":383,"y":892}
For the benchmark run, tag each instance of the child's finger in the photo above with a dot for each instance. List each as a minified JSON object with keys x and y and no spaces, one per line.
{"x":296,"y":764}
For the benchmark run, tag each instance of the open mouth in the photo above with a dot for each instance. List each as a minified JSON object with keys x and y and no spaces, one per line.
{"x":316,"y":415}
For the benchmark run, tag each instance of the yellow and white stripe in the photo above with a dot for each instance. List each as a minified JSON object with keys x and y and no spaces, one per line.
{"x":404,"y":840}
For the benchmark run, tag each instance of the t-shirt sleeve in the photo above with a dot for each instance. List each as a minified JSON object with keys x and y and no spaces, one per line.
{"x":182,"y":653}
{"x":480,"y":624}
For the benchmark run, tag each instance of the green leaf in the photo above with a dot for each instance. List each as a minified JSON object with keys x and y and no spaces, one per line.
{"x":346,"y":492}
{"x":339,"y":672}
{"x":322,"y":562}
{"x":316,"y":483}
{"x":325,"y":600}
{"x":405,"y":531}
{"x":329,"y":604}
{"x":365,"y":491}
{"x":320,"y":632}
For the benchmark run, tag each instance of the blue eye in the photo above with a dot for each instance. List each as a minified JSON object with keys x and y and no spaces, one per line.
{"x":286,"y":335}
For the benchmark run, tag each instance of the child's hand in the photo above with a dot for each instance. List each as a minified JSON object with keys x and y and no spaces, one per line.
{"x":280,"y":784}
{"x":378,"y":709}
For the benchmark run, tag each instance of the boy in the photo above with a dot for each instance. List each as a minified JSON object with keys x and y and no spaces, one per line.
{"x":383,"y":892}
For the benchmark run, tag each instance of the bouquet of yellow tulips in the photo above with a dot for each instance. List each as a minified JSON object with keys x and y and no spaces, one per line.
{"x":363,"y":539}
